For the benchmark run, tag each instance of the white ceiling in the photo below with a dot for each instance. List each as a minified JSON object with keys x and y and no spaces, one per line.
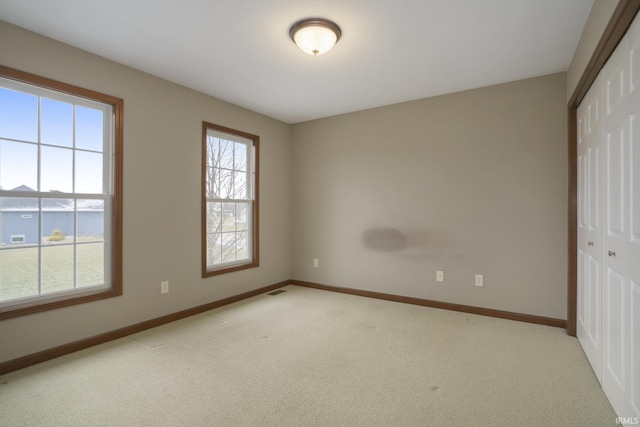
{"x":390,"y":51}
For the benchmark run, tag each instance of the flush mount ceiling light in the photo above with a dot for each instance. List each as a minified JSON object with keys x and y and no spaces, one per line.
{"x":315,"y":36}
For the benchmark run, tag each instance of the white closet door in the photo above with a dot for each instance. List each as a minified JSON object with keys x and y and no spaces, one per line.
{"x":634,"y":270}
{"x":632,"y":243}
{"x":621,"y":218}
{"x":589,"y":226}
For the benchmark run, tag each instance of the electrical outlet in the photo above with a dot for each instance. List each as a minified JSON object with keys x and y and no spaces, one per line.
{"x":316,"y":264}
{"x":439,"y":276}
{"x":164,"y":287}
{"x":479,"y":280}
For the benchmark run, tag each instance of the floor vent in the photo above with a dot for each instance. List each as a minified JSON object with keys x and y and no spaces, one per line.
{"x":279,"y":291}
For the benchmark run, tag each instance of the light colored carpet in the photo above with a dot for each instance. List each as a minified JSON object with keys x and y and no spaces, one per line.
{"x":314,"y":358}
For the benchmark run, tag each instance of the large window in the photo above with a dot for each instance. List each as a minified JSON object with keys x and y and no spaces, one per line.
{"x":229,"y":200}
{"x":60,"y":180}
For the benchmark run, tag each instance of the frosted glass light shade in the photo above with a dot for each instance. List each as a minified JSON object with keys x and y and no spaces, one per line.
{"x":315,"y":36}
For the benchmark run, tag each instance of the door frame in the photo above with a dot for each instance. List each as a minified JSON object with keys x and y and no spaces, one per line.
{"x":615,"y":30}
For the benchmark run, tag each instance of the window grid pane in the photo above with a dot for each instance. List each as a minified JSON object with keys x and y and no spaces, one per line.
{"x":57,"y":268}
{"x":90,"y":264}
{"x":18,"y":166}
{"x":19,"y":112}
{"x":56,"y":123}
{"x":19,"y":278}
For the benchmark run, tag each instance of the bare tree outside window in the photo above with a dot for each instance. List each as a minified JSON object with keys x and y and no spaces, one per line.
{"x":60,"y":194}
{"x":229,"y":199}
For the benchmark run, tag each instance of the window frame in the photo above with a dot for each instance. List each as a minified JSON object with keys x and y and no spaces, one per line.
{"x":254,"y":174}
{"x":113,"y":240}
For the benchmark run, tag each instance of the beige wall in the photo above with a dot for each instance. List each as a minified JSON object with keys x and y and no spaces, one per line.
{"x":161,"y":196}
{"x":469,"y":183}
{"x":596,"y":23}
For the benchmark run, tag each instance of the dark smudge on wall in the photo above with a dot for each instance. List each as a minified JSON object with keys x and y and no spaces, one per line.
{"x":392,"y":239}
{"x":384,"y":239}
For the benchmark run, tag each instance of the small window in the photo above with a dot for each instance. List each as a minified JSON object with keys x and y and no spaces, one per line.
{"x":229,"y":200}
{"x":60,"y":203}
